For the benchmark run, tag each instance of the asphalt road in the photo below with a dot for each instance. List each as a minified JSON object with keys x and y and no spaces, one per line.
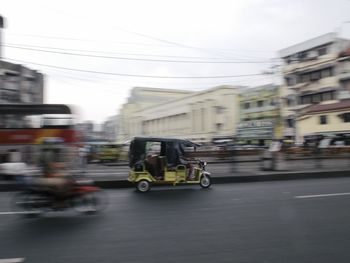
{"x":286,"y":221}
{"x":103,"y":172}
{"x":120,"y":172}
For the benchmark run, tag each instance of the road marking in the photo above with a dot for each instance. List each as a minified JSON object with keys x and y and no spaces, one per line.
{"x":320,"y":195}
{"x":12,"y":260}
{"x":12,"y":213}
{"x":106,"y":173}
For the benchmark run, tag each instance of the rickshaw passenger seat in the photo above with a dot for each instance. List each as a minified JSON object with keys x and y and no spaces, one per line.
{"x":181,"y":167}
{"x":151,"y":165}
{"x":161,"y":165}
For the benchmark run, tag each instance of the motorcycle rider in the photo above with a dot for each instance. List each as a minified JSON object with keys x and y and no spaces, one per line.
{"x":54,"y":179}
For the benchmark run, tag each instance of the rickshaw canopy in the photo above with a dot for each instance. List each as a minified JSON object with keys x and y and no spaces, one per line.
{"x":171,"y":148}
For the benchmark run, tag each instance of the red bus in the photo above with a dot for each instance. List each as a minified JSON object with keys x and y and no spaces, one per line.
{"x":26,"y":129}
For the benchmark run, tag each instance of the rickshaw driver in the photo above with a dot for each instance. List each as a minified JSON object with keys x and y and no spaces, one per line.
{"x":186,"y":161}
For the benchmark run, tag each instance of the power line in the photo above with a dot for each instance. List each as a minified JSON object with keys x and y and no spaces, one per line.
{"x":104,"y":52}
{"x":86,"y":40}
{"x":137,"y":59}
{"x":110,"y":81}
{"x":138,"y":75}
{"x":88,"y":19}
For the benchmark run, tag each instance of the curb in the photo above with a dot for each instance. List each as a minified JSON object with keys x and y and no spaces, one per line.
{"x":114,"y":184}
{"x":253,"y":160}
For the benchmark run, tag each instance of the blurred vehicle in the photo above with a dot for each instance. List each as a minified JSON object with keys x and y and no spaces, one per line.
{"x":163,"y":161}
{"x":244,"y":147}
{"x":35,"y":200}
{"x":25,"y":129}
{"x":106,"y":152}
{"x":11,"y":170}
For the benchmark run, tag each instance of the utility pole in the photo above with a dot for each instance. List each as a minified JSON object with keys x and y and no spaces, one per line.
{"x":1,"y":27}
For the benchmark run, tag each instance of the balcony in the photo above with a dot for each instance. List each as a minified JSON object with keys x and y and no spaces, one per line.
{"x":316,"y":85}
{"x":260,"y":109}
{"x":344,"y":75}
{"x":310,"y":65}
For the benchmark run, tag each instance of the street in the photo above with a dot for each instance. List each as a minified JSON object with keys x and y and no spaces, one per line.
{"x":120,"y":172}
{"x":280,"y":221}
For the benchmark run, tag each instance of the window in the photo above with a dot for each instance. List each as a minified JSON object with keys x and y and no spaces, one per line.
{"x":290,"y":81}
{"x":247,"y":105}
{"x":153,"y":148}
{"x":260,"y":103}
{"x":305,"y":77}
{"x":346,"y":117}
{"x":315,"y":75}
{"x":290,"y":123}
{"x":306,"y":99}
{"x":345,"y":85}
{"x":327,"y":72}
{"x":322,"y":51}
{"x":316,"y":98}
{"x":328,"y":95}
{"x":323,"y":119}
{"x":302,"y":55}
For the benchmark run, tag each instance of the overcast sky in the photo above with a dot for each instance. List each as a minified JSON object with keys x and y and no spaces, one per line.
{"x":85,"y":48}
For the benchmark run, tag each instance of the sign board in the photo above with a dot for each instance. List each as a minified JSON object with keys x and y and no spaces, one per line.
{"x":255,"y":123}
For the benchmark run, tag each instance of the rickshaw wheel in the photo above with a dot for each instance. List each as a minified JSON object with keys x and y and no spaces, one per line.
{"x":205,"y":181}
{"x":143,"y":186}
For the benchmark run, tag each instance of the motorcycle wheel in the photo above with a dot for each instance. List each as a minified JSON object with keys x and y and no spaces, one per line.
{"x":205,"y":181}
{"x":143,"y":186}
{"x":28,"y":204}
{"x":90,"y":203}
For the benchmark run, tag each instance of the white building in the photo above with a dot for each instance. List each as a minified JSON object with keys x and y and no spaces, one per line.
{"x":311,"y":75}
{"x":199,"y":116}
{"x":130,"y":115}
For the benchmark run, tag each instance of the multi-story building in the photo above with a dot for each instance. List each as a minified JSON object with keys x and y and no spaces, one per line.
{"x":199,"y":116}
{"x":327,"y":119}
{"x":330,"y":118}
{"x":260,"y":116}
{"x":344,"y":74}
{"x":110,"y":128}
{"x":130,"y":115}
{"x":88,"y":132}
{"x":311,"y":75}
{"x":19,"y":84}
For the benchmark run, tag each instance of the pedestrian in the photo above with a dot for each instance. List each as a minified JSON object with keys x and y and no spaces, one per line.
{"x":82,"y":156}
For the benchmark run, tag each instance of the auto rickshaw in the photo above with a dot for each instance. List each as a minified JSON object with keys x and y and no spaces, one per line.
{"x":156,"y":161}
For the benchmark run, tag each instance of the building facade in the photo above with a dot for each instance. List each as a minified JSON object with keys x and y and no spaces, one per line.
{"x":344,"y":74}
{"x":311,"y":73}
{"x":198,"y":116}
{"x":260,"y":115}
{"x":89,"y":132}
{"x":19,"y":84}
{"x":327,"y":119}
{"x":110,"y":129}
{"x":131,"y":113}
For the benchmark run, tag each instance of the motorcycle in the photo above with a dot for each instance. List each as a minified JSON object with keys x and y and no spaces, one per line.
{"x":84,"y":198}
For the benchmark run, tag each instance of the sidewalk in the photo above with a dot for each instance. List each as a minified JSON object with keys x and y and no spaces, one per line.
{"x":225,"y":172}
